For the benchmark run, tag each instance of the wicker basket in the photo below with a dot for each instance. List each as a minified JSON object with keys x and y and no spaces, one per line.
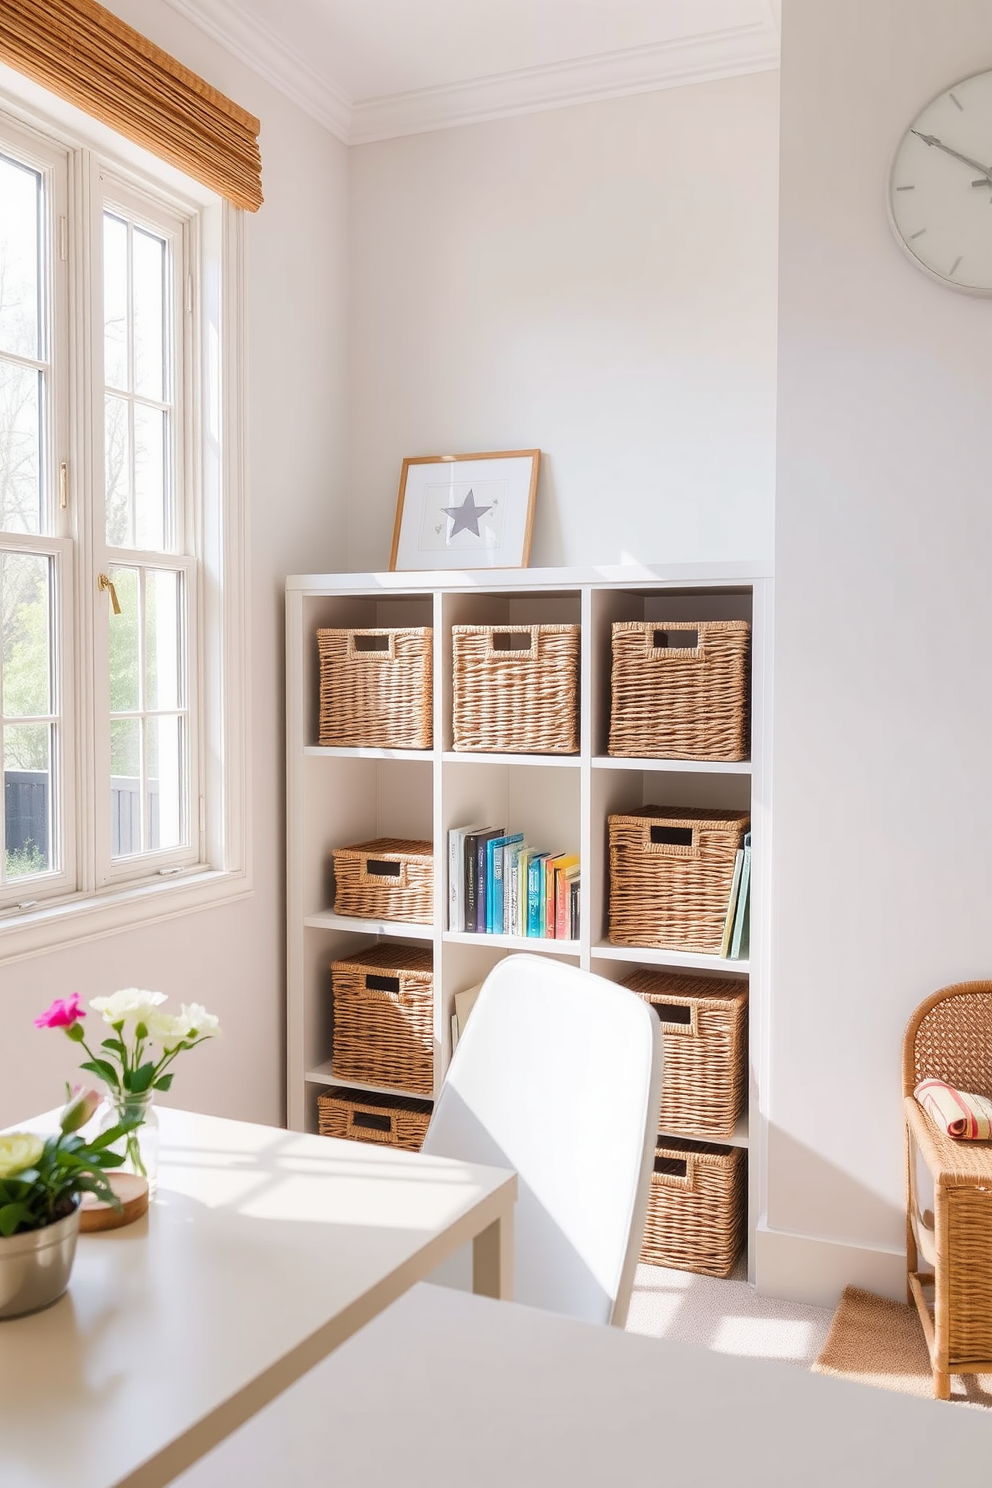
{"x":671,"y":871}
{"x":386,"y":879}
{"x":516,"y":688}
{"x":384,"y":1018}
{"x":387,"y":1120}
{"x":680,"y":691}
{"x":705,"y":1025}
{"x":375,"y":688}
{"x":697,"y":1209}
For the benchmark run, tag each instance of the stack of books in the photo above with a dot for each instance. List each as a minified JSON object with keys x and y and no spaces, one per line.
{"x":497,"y":885}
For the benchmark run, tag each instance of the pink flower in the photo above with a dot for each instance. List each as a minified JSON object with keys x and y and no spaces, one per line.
{"x":63,"y":1013}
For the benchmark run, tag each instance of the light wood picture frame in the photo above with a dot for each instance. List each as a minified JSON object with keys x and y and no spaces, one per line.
{"x":465,"y":511}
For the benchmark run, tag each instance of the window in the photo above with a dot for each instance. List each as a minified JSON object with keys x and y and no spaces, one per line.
{"x":120,"y":569}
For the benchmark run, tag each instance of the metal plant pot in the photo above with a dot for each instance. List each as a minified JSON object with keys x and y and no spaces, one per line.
{"x":35,"y":1265}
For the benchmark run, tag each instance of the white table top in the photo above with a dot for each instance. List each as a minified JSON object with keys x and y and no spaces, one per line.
{"x":263,"y":1250}
{"x":447,"y":1390}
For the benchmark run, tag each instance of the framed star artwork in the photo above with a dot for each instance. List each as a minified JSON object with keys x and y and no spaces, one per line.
{"x":465,"y":511}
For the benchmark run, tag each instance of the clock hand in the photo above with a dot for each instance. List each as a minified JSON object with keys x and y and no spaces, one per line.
{"x":931,"y":139}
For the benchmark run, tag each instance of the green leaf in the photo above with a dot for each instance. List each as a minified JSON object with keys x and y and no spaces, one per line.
{"x":116,"y":1044}
{"x":105,"y":1070}
{"x":163,"y":1082}
{"x":12,"y":1215}
{"x":95,"y":1183}
{"x":112,"y":1159}
{"x":112,"y":1134}
{"x":141,"y":1078}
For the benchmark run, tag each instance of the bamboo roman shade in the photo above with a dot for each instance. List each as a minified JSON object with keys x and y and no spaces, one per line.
{"x":82,"y":52}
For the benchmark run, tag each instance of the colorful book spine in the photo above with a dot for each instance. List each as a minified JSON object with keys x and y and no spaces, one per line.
{"x":511,"y":886}
{"x":740,"y":939}
{"x":523,"y":872}
{"x":564,"y":866}
{"x":548,"y":897}
{"x":728,"y":925}
{"x":535,"y":884}
{"x":495,"y":858}
{"x":474,"y":849}
{"x":482,"y":873}
{"x":456,"y":874}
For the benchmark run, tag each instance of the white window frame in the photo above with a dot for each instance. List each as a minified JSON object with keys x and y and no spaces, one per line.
{"x":109,"y":191}
{"x":215,"y":453}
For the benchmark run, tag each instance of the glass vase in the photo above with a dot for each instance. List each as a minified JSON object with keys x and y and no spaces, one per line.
{"x":140,"y":1146}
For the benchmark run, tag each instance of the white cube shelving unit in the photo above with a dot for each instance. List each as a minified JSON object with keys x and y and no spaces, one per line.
{"x":342,"y":796}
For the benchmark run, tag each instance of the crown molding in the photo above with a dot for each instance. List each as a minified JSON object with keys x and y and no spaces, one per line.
{"x":692,"y":59}
{"x":706,"y":57}
{"x":263,"y":50}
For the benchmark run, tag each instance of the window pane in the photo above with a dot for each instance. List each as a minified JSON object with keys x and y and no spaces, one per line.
{"x":20,"y":259}
{"x":163,"y":678}
{"x":125,"y":787}
{"x":20,"y":448}
{"x":125,"y":631}
{"x":115,"y":302}
{"x":150,"y":340}
{"x":149,"y":477}
{"x":25,"y":677}
{"x":165,"y":760}
{"x":26,"y":686}
{"x":27,"y":790}
{"x":117,"y":457}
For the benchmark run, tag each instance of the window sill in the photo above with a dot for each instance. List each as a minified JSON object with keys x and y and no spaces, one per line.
{"x":69,"y":922}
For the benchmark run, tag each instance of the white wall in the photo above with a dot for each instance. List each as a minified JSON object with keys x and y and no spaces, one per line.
{"x":883,"y":683}
{"x":232,"y":958}
{"x":598,"y":281}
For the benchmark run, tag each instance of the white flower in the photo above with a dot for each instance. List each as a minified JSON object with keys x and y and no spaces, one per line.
{"x":169,"y":1028}
{"x":201,"y":1023}
{"x":130,"y":1004}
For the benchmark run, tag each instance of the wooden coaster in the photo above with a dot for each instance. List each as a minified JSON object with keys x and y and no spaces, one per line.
{"x":132,"y":1191}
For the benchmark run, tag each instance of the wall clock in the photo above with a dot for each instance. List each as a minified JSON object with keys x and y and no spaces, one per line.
{"x":940,"y":189}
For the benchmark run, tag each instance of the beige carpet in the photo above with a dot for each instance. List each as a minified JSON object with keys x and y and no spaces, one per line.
{"x":878,"y":1342}
{"x":727,"y":1316}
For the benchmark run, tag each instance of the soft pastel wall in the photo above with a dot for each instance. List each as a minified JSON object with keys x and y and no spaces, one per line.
{"x":232,"y":958}
{"x":598,"y":281}
{"x":883,"y":669}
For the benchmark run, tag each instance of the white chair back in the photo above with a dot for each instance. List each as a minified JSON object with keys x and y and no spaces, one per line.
{"x":558,"y":1075}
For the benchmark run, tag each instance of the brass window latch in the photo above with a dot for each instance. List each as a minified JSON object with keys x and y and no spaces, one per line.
{"x":106,"y":582}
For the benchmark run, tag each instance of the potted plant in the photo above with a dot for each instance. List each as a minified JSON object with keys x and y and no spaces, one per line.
{"x":42,"y":1181}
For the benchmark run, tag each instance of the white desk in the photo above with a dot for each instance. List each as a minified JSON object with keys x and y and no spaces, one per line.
{"x":263,"y":1251}
{"x":446,"y":1390}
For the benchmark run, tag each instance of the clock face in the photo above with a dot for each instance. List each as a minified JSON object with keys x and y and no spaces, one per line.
{"x":940,"y":192}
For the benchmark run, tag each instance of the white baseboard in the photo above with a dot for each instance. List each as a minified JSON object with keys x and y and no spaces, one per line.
{"x":802,"y":1268}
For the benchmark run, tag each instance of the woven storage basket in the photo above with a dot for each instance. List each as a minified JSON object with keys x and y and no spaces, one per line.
{"x":671,"y":871}
{"x":516,"y":688}
{"x":386,"y":879}
{"x":697,"y":1207}
{"x":680,"y":691}
{"x":375,"y":688}
{"x":705,"y":1025}
{"x":384,"y":1018}
{"x":387,"y":1120}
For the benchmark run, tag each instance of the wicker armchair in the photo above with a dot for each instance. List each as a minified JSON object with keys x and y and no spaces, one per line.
{"x":949,"y":1037}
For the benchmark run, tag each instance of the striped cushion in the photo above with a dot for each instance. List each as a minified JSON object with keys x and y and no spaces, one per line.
{"x":956,"y":1112}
